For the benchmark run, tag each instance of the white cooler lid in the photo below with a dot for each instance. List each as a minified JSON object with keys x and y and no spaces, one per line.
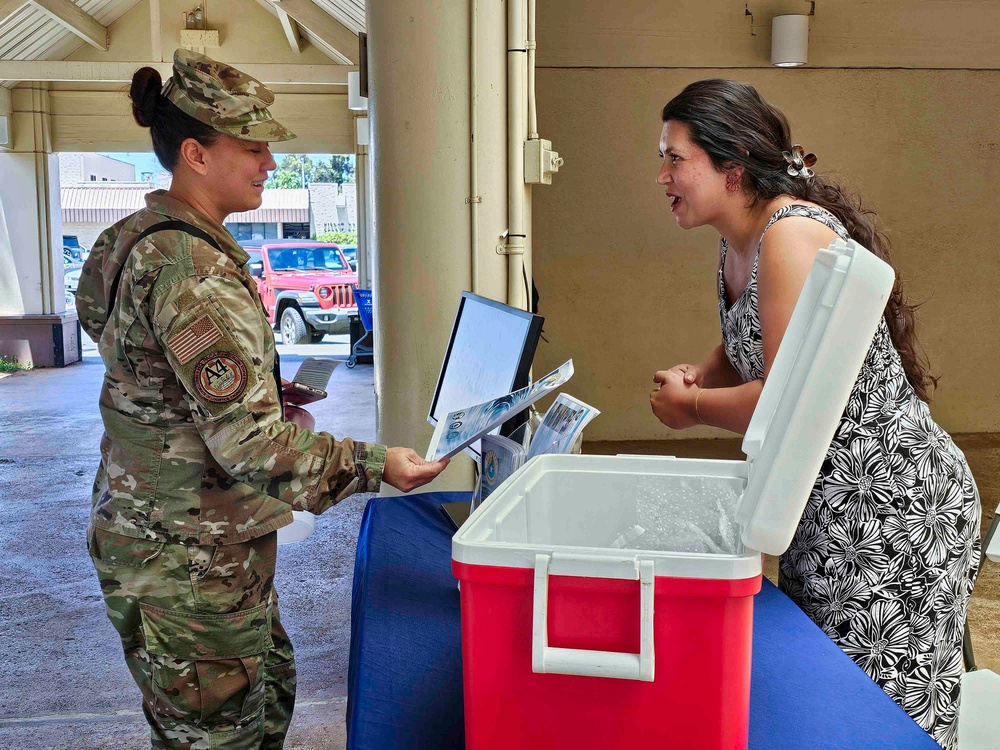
{"x":807,"y":389}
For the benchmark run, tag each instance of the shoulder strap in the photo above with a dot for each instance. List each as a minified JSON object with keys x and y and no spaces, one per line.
{"x":810,"y":212}
{"x":163,"y":226}
{"x":183,"y":226}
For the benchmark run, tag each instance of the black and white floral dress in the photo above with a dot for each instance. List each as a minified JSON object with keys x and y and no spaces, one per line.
{"x":887,"y":551}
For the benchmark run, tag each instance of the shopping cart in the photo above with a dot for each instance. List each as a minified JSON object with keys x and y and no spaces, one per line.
{"x":364,"y":299}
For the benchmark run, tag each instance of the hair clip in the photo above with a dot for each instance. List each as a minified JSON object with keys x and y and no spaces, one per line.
{"x":799,"y":162}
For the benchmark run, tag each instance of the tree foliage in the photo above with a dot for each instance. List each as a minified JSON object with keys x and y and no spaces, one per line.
{"x":294,"y":168}
{"x":339,"y":238}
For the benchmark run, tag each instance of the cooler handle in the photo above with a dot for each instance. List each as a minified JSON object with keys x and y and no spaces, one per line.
{"x":583,"y":663}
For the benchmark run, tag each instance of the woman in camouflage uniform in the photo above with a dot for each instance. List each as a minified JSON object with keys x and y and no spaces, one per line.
{"x":198,"y":468}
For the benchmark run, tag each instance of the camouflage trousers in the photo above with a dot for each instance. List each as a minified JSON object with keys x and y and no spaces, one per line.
{"x":202,"y":639}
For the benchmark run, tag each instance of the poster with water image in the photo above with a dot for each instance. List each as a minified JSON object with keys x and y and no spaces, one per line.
{"x":461,"y":428}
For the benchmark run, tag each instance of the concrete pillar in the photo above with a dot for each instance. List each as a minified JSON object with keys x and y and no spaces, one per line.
{"x":418,"y":104}
{"x":490,"y":151}
{"x":35,"y":326}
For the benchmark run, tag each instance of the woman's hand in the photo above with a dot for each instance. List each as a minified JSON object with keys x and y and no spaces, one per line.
{"x":693,"y":374}
{"x":673,"y":402}
{"x":406,"y":470}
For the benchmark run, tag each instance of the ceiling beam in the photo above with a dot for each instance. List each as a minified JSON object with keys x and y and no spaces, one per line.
{"x":9,"y":8}
{"x":75,"y":19}
{"x":155,"y":38}
{"x":119,"y":72}
{"x":291,"y":30}
{"x":332,"y":32}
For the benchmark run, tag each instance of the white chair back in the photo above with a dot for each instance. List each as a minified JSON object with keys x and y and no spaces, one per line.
{"x":979,"y":715}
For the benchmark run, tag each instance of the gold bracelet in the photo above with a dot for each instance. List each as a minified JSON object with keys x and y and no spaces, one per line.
{"x":696,"y":412}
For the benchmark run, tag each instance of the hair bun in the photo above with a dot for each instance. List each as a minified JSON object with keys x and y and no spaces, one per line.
{"x":145,"y":93}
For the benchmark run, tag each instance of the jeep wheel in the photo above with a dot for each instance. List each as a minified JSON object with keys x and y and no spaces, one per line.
{"x":316,"y":336}
{"x":293,"y":328}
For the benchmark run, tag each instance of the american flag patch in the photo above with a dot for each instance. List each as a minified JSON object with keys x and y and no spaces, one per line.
{"x":194,"y":339}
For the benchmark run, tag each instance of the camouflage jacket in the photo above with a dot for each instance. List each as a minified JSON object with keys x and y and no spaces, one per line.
{"x":195,"y":450}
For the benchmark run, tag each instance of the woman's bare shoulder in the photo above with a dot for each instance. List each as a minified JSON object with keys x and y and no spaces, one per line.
{"x":797,"y":233}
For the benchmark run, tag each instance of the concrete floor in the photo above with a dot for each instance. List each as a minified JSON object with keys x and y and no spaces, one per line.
{"x":64,"y":683}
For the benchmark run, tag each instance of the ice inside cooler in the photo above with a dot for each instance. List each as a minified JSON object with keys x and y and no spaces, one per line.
{"x":660,"y":512}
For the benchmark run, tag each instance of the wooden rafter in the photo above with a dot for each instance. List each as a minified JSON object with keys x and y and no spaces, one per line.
{"x":291,"y":30}
{"x":332,"y":32}
{"x":75,"y":19}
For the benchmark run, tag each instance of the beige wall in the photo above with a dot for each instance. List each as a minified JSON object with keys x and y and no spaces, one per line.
{"x":719,"y":34}
{"x":625,"y":292}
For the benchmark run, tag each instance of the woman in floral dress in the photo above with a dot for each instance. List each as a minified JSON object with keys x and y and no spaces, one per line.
{"x":885,"y":556}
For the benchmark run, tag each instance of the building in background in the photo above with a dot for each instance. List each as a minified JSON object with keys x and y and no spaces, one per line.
{"x":283,"y":213}
{"x":76,"y":168}
{"x":88,"y":208}
{"x":332,"y":207}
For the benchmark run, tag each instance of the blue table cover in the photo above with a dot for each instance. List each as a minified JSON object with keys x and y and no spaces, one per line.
{"x":405,"y":673}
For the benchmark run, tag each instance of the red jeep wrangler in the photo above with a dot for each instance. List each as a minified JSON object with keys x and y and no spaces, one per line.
{"x":306,"y":286}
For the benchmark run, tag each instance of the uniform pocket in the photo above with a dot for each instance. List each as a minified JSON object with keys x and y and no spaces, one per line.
{"x":117,"y":551}
{"x":207,"y":669}
{"x":135,"y":430}
{"x":239,"y":575}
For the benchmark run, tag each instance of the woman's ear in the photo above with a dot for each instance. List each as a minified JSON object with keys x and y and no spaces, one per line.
{"x":193,"y":156}
{"x":734,"y":177}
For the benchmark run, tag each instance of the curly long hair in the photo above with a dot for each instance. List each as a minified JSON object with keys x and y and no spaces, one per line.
{"x":737,"y":128}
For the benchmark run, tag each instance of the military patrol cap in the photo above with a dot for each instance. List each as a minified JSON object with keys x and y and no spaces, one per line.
{"x":223,"y":98}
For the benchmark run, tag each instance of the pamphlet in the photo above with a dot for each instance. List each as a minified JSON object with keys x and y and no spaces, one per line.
{"x":563,"y":424}
{"x":463,"y":427}
{"x":501,"y":456}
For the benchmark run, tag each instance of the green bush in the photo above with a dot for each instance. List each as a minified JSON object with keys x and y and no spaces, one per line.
{"x":10,"y":364}
{"x":340,"y":238}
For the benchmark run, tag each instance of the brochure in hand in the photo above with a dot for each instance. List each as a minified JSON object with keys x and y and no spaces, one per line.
{"x":462,"y":428}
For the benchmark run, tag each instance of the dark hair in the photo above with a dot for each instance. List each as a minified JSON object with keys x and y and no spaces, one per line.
{"x":169,"y":126}
{"x":737,"y":128}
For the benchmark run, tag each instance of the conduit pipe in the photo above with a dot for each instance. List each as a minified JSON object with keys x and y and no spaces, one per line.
{"x":532,"y":135}
{"x":516,"y":131}
{"x":532,"y":109}
{"x":474,"y":199}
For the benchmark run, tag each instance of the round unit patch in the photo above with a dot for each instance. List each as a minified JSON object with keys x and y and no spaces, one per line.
{"x":220,"y":377}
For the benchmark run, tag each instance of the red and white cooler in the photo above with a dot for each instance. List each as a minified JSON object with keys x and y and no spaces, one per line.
{"x":576,"y":636}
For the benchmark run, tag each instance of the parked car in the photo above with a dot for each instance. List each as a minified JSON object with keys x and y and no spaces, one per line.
{"x":71,"y":280}
{"x":306,"y":286}
{"x":72,"y":252}
{"x":351,"y":253}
